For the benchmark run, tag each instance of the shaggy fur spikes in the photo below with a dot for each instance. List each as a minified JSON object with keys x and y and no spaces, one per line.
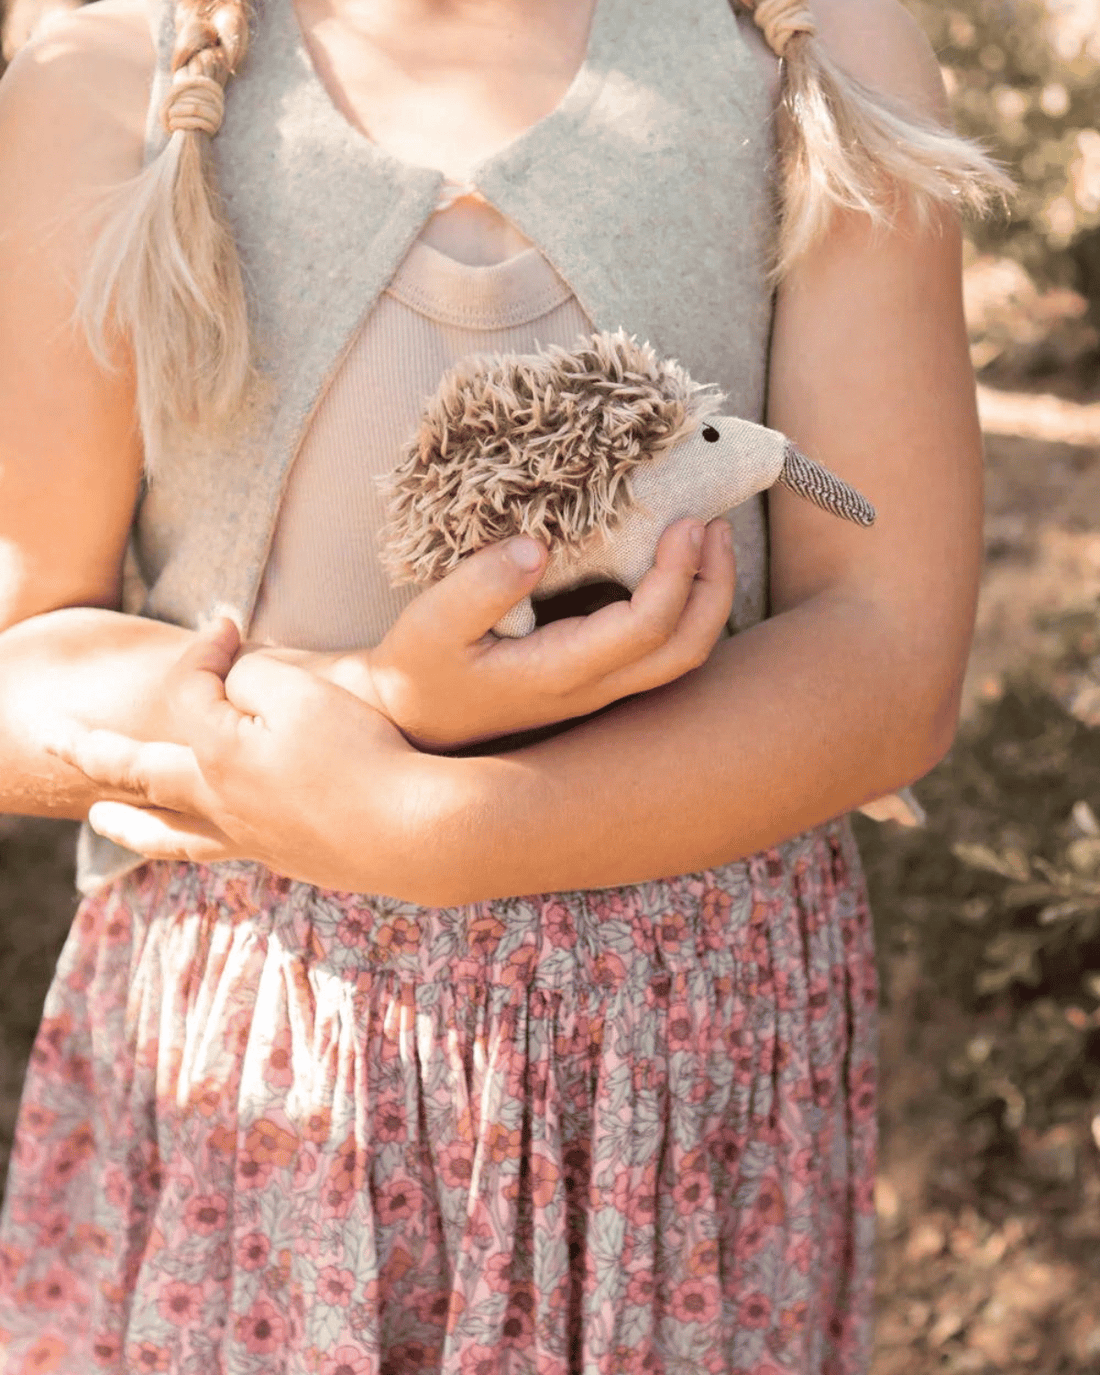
{"x":542,"y":444}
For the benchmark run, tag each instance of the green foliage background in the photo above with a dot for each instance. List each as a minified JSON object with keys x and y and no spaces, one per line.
{"x":1024,"y":77}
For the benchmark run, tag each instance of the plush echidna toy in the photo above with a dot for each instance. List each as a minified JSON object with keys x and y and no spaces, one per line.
{"x":594,"y":450}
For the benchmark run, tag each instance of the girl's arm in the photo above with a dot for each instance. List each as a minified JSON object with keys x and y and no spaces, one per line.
{"x":70,"y":462}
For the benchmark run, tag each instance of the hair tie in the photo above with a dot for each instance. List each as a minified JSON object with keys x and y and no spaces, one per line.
{"x":195,"y":104}
{"x":782,"y":20}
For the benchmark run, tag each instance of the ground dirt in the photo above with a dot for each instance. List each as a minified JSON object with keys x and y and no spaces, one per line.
{"x":989,"y":1191}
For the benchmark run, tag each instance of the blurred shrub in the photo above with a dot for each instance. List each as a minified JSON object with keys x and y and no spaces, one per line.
{"x":999,"y":900}
{"x":1024,"y":77}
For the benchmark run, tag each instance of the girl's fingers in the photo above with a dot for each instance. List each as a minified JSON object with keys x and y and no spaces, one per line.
{"x":704,"y":616}
{"x":462,"y":608}
{"x":618,"y":637}
{"x":158,"y":774}
{"x":160,"y":834}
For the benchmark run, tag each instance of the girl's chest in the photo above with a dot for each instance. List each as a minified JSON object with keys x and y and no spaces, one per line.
{"x":439,"y":90}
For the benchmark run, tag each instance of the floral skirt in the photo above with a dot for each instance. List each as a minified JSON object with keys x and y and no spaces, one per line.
{"x":272,"y":1128}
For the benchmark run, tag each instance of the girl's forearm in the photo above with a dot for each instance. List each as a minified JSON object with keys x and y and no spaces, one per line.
{"x":78,"y":666}
{"x":803,"y":718}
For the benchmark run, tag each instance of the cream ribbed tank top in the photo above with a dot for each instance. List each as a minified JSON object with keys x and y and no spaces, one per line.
{"x":323,"y":586}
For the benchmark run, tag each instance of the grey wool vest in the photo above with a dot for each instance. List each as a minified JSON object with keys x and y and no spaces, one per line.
{"x":648,"y":189}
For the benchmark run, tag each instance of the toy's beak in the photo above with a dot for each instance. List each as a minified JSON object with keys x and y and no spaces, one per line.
{"x":824,"y":489}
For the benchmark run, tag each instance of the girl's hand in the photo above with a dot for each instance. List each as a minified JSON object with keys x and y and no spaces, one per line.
{"x":264,"y":776}
{"x":444,"y":681}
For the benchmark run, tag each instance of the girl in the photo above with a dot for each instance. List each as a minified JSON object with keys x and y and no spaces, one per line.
{"x":541,"y":1107}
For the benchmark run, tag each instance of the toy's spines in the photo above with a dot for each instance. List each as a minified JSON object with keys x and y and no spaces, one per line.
{"x":540,"y":444}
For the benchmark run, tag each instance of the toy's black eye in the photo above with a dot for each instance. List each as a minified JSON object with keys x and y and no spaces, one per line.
{"x":710,"y":434}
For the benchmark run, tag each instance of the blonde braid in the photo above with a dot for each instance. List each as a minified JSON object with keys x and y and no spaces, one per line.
{"x":164,"y":272}
{"x":846,"y":147}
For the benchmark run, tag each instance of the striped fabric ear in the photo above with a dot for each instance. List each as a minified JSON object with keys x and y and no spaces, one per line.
{"x":817,"y":484}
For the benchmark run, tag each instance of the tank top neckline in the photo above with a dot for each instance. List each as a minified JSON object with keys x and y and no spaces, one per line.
{"x":515,"y":291}
{"x":577,"y":97}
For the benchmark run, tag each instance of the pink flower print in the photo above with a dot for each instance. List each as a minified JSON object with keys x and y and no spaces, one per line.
{"x":692,"y":1184}
{"x":144,"y":1356}
{"x":497,"y":1274}
{"x":755,"y":1311}
{"x":676,"y":932}
{"x":615,"y":904}
{"x":634,"y":1199}
{"x":12,"y":1259}
{"x":354,"y":929}
{"x":56,"y":1289}
{"x":412,"y":1356}
{"x":770,"y":1208}
{"x":261,"y":1329}
{"x":180,"y":1303}
{"x":703,"y":1259}
{"x":206,"y":1098}
{"x":480,"y":1360}
{"x":792,"y":1320}
{"x":343,"y":1180}
{"x":253,"y":1251}
{"x":818,"y":996}
{"x":389,"y":1122}
{"x":269,"y":1143}
{"x":620,"y":1360}
{"x":36,"y":1120}
{"x":279,"y":1070}
{"x":335,"y":1286}
{"x":116,"y":929}
{"x":641,"y":1289}
{"x":456,"y":1165}
{"x":52,"y":1230}
{"x":432,"y":1306}
{"x":77,"y":1147}
{"x":399,"y":937}
{"x":557,"y":923}
{"x":695,"y":1300}
{"x":715,"y":912}
{"x":517,"y":1328}
{"x":45,"y":1355}
{"x":347,"y":1360}
{"x":252,"y":1173}
{"x":544,"y":1178}
{"x":205,"y":1214}
{"x":89,"y":1237}
{"x":517,"y":969}
{"x":317,"y":1126}
{"x":608,"y":969}
{"x":222,"y":1139}
{"x":106,"y":1350}
{"x":503,"y":1143}
{"x":483,"y":934}
{"x":401,"y":1197}
{"x":398,"y":1265}
{"x":681,"y":1030}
